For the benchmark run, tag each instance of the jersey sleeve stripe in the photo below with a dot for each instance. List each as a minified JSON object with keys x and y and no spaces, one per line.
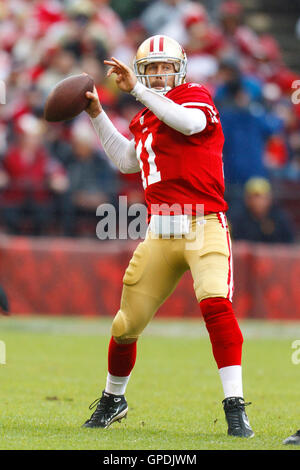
{"x":200,"y":105}
{"x":196,"y":104}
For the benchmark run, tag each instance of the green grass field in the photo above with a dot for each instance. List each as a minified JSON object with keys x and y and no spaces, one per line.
{"x":56,"y":367}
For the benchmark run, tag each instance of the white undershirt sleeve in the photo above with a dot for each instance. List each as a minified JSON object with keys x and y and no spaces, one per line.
{"x":188,"y":121}
{"x":119,"y":150}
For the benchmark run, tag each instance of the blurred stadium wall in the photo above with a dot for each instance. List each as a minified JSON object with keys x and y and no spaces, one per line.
{"x":84,"y":277}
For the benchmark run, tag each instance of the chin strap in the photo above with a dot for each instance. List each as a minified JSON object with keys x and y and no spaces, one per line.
{"x":163,"y":91}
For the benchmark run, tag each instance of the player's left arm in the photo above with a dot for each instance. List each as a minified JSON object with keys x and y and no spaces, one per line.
{"x":186,"y":120}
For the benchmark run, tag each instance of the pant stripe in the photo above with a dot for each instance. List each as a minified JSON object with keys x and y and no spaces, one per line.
{"x":222,"y":220}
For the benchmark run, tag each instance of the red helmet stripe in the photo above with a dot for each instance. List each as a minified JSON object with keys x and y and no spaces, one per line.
{"x":161,"y":44}
{"x":151,"y":44}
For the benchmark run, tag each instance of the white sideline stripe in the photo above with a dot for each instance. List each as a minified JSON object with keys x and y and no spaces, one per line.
{"x":78,"y":327}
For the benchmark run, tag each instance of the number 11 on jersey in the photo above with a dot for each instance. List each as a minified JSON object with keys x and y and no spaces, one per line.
{"x":154,"y":175}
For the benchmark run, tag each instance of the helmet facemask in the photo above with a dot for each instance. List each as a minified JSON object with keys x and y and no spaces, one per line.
{"x":179,"y":74}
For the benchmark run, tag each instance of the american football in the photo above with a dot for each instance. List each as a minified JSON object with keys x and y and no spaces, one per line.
{"x":67,"y":99}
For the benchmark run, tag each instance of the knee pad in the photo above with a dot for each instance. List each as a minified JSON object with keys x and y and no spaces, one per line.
{"x":120,"y":328}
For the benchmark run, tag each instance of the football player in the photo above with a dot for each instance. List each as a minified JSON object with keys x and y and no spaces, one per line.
{"x":177,"y":148}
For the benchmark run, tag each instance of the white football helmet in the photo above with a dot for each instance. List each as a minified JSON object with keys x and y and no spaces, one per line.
{"x":160,"y":48}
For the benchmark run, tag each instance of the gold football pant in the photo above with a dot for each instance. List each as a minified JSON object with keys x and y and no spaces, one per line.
{"x":158,"y":264}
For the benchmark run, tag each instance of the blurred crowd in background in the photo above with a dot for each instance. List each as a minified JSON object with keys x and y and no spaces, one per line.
{"x":54,"y":176}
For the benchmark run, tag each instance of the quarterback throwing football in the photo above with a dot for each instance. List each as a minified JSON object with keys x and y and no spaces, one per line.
{"x":177,"y":147}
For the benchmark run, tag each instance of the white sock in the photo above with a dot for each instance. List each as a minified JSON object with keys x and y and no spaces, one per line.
{"x":231,"y":378}
{"x":116,"y":385}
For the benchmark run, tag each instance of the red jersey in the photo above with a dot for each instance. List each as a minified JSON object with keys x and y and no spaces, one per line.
{"x":180,"y":169}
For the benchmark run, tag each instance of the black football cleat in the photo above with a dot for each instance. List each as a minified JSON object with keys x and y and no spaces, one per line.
{"x":237,"y":420}
{"x":294,"y":439}
{"x":109,"y":408}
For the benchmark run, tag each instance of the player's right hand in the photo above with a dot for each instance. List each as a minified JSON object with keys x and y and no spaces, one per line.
{"x":94,"y":108}
{"x":126,"y":78}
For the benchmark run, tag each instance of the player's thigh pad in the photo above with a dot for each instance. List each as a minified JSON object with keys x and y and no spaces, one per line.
{"x":211,"y":265}
{"x":147,"y":282}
